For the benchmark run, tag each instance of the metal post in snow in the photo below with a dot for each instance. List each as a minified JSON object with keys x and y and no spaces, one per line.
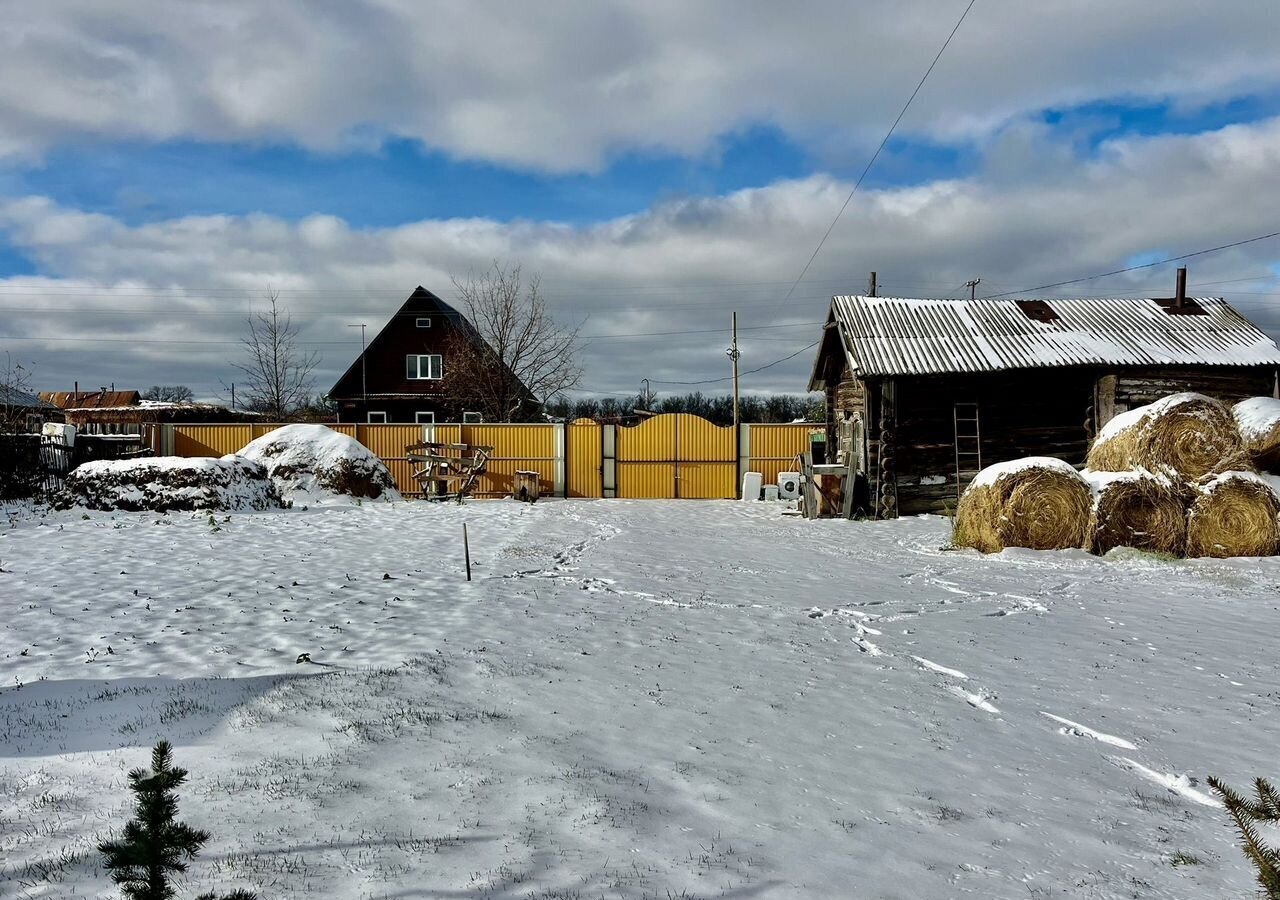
{"x":466,"y":550}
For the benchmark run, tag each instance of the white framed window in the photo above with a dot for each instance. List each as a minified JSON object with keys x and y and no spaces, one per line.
{"x":424,"y":367}
{"x":422,"y":323}
{"x":472,"y":418}
{"x":424,"y":418}
{"x":377,"y":418}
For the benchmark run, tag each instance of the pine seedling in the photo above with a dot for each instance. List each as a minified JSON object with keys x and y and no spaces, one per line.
{"x":154,"y":845}
{"x":1248,"y":815}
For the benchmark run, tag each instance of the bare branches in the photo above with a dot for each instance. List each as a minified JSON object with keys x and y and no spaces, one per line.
{"x":169,"y":393}
{"x":15,"y":384}
{"x":278,"y":377}
{"x":526,"y":358}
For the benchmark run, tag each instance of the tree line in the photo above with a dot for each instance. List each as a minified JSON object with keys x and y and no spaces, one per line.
{"x":718,"y":408}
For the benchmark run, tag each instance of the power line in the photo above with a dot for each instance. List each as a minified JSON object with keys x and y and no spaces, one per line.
{"x":748,"y":372}
{"x":1159,"y":262}
{"x":871,"y":162}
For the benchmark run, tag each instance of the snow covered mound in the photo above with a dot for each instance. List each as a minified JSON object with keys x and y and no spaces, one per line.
{"x":312,"y":464}
{"x":170,"y":483}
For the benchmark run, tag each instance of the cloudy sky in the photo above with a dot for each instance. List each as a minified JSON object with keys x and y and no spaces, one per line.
{"x":660,"y":164}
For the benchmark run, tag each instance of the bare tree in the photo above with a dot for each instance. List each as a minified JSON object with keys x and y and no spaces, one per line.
{"x":523,"y":358}
{"x":169,"y":393}
{"x":277,"y":377}
{"x":15,"y":397}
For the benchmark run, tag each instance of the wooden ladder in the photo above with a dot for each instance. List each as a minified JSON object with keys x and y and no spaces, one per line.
{"x":968,"y":431}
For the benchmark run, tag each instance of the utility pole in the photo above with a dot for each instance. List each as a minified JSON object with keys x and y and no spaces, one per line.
{"x":733,"y":355}
{"x":233,"y":395}
{"x":972,"y":286}
{"x":871,"y":285}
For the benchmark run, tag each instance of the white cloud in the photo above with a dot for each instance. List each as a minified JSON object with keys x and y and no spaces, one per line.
{"x":561,"y":86}
{"x":680,"y":266}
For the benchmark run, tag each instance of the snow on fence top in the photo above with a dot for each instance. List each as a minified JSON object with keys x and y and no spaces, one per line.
{"x":903,"y":336}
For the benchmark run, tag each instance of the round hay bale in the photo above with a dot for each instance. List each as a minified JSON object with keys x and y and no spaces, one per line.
{"x":1258,"y":420}
{"x":1186,"y":436}
{"x":1139,"y":510}
{"x":1038,"y":502}
{"x":1234,"y":514}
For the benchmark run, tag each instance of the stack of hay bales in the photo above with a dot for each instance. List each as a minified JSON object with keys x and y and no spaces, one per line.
{"x":1176,"y":477}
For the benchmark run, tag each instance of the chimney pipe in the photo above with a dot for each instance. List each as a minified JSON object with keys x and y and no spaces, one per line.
{"x":77,"y":387}
{"x":1181,"y":298}
{"x":871,"y":285}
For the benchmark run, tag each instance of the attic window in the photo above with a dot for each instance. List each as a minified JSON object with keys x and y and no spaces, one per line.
{"x":422,"y":323}
{"x":1189,"y":307}
{"x":1037,"y":310}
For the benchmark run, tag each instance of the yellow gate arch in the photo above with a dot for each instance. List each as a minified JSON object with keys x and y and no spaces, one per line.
{"x":677,"y":456}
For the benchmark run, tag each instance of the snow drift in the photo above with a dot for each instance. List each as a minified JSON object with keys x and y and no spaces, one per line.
{"x":314,"y":464}
{"x":170,"y":483}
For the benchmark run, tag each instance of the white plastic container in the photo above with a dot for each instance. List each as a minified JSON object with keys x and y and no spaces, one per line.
{"x":752,"y":482}
{"x":770,"y":492}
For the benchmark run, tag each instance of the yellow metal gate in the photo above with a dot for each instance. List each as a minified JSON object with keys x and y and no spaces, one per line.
{"x":677,"y":455}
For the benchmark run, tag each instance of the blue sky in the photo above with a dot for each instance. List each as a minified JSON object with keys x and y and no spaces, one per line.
{"x":606,"y":148}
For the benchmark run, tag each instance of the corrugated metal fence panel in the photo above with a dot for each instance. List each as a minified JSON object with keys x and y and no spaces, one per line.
{"x":209,"y":440}
{"x":646,"y":480}
{"x":388,"y":441}
{"x":697,"y":440}
{"x":653,"y":440}
{"x":585,"y":459}
{"x":528,"y":448}
{"x":774,"y":448}
{"x":707,"y":480}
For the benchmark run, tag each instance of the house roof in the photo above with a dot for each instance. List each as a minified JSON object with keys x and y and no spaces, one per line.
{"x":11,"y":396}
{"x":90,"y":399}
{"x":421,"y":301}
{"x":883,"y":336}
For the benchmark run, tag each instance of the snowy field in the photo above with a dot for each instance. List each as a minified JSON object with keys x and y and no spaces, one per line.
{"x":631,"y":700}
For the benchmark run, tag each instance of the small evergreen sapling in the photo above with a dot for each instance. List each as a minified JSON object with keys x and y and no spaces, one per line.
{"x":1248,"y":815}
{"x":154,"y":845}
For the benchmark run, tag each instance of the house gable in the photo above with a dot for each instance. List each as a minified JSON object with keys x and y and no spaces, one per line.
{"x":384,"y":372}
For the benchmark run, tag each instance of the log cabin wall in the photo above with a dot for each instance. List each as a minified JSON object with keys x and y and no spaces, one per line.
{"x":1022,"y":413}
{"x":1129,"y":388}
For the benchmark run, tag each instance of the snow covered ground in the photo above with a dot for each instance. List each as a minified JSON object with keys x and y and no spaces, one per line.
{"x":631,"y":699}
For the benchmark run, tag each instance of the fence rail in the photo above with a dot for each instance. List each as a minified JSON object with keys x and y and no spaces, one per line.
{"x":672,"y":455}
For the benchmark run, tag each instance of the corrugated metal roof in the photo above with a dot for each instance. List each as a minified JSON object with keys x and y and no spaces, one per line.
{"x":899,"y":336}
{"x":11,"y":396}
{"x":90,"y":399}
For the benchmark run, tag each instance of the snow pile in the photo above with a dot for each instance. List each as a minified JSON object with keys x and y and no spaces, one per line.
{"x":314,"y":464}
{"x":170,"y":483}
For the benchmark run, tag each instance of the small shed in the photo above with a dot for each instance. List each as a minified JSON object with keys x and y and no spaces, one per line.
{"x":24,"y":412}
{"x":922,"y":393}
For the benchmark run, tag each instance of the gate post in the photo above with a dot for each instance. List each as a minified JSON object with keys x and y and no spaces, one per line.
{"x":560,"y":484}
{"x":744,"y":457}
{"x":609,"y":460}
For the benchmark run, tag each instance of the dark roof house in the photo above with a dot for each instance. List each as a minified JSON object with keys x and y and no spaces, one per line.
{"x":923,"y":393}
{"x":25,"y":412}
{"x":400,"y":375}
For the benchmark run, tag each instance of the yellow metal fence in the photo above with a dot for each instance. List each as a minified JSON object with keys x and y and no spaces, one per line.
{"x":669,"y":456}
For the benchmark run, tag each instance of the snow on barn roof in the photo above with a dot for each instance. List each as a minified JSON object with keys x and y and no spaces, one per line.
{"x":898,"y":336}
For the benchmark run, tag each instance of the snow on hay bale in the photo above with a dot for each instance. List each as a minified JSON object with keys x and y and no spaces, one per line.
{"x":1258,"y":419}
{"x":1039,"y":502}
{"x":1234,"y":514}
{"x":1184,"y":435}
{"x":170,"y":483}
{"x":1136,"y":509}
{"x":312,"y":463}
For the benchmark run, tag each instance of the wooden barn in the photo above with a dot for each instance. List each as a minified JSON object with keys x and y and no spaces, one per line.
{"x":921,"y":394}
